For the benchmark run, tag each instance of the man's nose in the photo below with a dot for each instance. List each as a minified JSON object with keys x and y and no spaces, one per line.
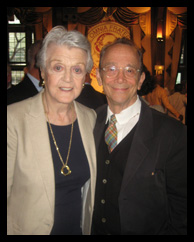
{"x":120,"y":76}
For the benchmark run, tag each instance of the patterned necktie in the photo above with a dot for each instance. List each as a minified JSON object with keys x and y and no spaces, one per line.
{"x":111,"y":134}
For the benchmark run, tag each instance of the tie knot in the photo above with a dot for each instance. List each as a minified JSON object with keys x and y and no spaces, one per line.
{"x":113,"y":119}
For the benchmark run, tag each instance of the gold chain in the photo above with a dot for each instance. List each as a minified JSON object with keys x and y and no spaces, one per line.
{"x":65,"y":166}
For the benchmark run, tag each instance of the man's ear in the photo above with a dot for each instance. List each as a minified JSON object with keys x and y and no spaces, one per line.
{"x":98,"y":77}
{"x":141,"y":80}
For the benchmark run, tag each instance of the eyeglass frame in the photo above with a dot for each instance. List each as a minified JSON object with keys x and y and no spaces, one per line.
{"x":119,"y":68}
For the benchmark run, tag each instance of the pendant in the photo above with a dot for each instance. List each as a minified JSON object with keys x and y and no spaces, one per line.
{"x":67,"y":169}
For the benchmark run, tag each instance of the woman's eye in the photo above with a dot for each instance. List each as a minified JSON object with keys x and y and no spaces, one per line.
{"x":77,"y":70}
{"x":58,"y":68}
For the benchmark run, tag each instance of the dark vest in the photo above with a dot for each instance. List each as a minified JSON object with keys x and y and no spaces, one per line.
{"x":110,"y":170}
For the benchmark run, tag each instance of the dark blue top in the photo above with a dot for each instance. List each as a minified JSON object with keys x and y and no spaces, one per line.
{"x":68,"y":201}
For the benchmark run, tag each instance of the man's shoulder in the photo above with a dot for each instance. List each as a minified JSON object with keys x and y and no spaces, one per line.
{"x":102,"y":109}
{"x":161,"y":120}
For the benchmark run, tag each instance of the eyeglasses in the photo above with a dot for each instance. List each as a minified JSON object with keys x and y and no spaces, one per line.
{"x":112,"y":71}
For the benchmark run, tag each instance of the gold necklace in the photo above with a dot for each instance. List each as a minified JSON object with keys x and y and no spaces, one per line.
{"x":65,"y":166}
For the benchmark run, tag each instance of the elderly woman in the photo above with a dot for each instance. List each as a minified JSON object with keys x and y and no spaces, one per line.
{"x":51,"y":151}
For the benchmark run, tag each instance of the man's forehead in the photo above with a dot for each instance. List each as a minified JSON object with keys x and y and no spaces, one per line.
{"x":120,"y":50}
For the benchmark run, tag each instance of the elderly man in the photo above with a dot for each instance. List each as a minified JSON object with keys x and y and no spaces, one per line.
{"x":141,"y":154}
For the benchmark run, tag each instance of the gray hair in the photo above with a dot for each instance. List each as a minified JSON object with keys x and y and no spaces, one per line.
{"x":124,"y":41}
{"x":60,"y":36}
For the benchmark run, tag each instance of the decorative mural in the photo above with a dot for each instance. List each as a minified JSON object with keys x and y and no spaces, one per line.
{"x":100,"y":35}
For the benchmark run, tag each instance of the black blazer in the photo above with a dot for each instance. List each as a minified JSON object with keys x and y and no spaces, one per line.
{"x":91,"y":98}
{"x":23,"y":90}
{"x":152,"y":199}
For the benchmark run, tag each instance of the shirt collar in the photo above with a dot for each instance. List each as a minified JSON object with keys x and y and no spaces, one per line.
{"x":35,"y":82}
{"x":125,"y":115}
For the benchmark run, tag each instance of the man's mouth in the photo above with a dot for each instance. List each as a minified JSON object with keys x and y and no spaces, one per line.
{"x":120,"y":89}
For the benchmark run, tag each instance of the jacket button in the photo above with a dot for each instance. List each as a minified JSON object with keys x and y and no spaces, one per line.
{"x":102,"y":201}
{"x":104,"y":181}
{"x":107,"y":162}
{"x":103,"y":220}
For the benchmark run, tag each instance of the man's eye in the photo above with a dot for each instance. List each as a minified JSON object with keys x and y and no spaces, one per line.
{"x":130,"y":70}
{"x":112,"y":68}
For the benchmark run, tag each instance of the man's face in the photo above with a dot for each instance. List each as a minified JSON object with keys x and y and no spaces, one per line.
{"x":121,"y":91}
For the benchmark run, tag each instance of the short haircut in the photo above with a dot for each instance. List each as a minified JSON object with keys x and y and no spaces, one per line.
{"x":60,"y":36}
{"x":124,"y":41}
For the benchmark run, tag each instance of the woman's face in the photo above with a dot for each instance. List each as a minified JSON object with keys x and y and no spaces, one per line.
{"x":64,"y":74}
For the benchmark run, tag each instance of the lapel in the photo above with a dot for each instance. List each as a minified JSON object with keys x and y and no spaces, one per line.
{"x":140,"y":145}
{"x":41,"y":146}
{"x":86,"y":124}
{"x":100,"y":123}
{"x":87,"y":137}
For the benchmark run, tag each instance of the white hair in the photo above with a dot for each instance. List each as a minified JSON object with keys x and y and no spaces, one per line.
{"x":60,"y":36}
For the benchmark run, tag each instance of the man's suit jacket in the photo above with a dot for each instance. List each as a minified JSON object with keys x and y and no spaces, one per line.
{"x":152,"y":198}
{"x":91,"y":98}
{"x":23,"y":90}
{"x":30,"y":177}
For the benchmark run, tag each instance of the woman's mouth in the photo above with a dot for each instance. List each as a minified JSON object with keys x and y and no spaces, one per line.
{"x":66,"y":88}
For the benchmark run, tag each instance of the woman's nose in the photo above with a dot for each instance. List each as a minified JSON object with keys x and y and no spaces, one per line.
{"x":67,"y":76}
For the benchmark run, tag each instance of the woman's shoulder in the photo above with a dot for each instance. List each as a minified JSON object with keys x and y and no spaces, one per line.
{"x":24,"y":106}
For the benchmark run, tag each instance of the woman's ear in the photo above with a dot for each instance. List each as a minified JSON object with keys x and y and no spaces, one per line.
{"x":42,"y":72}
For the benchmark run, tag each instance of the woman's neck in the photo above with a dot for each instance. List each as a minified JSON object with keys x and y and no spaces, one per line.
{"x":60,"y":114}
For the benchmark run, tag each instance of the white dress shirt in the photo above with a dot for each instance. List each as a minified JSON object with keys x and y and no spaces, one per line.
{"x":126,"y":119}
{"x":35,"y":82}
